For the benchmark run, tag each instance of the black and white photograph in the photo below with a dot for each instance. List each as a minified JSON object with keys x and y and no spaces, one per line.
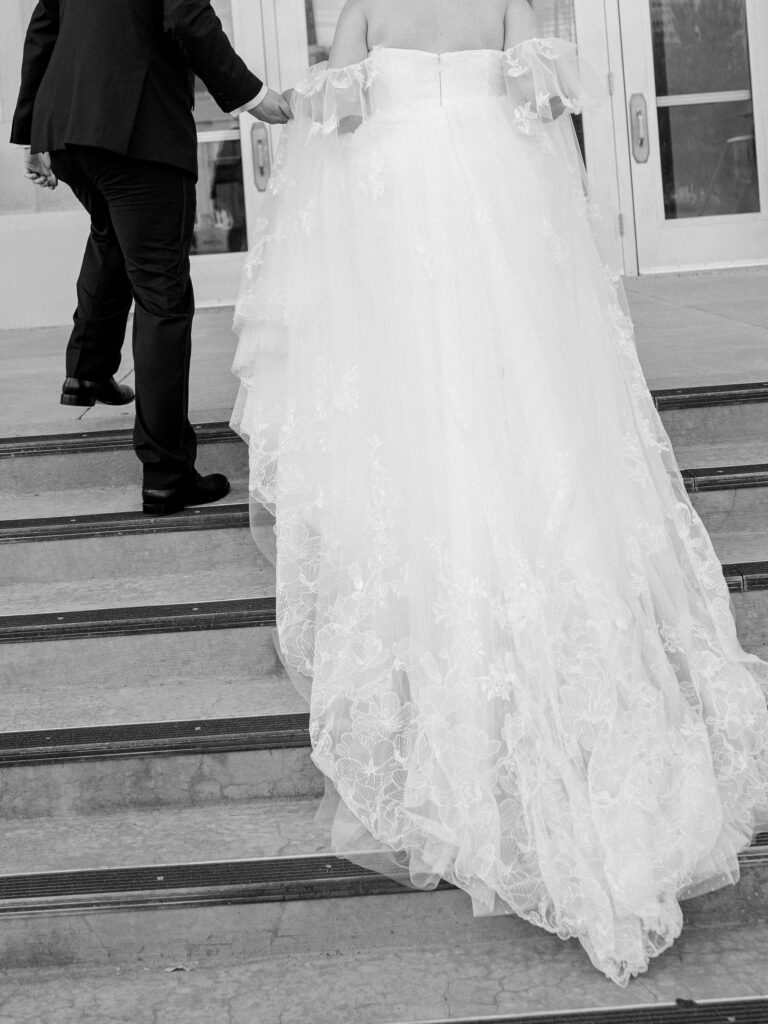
{"x":384,"y":512}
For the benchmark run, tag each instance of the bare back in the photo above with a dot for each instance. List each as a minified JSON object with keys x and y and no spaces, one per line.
{"x":438,"y":26}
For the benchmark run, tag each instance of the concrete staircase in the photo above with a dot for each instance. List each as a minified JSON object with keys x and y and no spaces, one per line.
{"x":159,"y":858}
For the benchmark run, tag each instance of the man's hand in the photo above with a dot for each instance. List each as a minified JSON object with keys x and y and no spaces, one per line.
{"x":38,"y":169}
{"x":273,"y":109}
{"x":557,"y":107}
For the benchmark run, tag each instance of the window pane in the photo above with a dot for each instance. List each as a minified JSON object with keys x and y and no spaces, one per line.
{"x":208,"y":116}
{"x":322,"y":16}
{"x":220,"y":221}
{"x":699,"y":46}
{"x":708,"y":160}
{"x":556,"y":18}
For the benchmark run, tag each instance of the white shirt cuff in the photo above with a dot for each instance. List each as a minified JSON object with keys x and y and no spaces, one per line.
{"x":262,"y":95}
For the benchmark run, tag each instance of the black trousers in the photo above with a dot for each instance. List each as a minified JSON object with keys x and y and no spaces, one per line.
{"x":142,"y":220}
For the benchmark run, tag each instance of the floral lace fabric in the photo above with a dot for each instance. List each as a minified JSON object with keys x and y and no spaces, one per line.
{"x":525,"y":675}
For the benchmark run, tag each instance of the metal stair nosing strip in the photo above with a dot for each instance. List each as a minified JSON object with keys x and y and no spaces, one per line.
{"x":220,"y":883}
{"x":121,"y":524}
{"x":725,"y":478}
{"x":262,"y":880}
{"x":742,"y":578}
{"x":747,"y":1010}
{"x":99,"y":441}
{"x":242,"y":613}
{"x":196,"y":736}
{"x":709,"y":394}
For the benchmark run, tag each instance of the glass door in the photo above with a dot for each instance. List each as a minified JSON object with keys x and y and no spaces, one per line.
{"x":234,"y":158}
{"x":696,"y":73}
{"x":303,"y":32}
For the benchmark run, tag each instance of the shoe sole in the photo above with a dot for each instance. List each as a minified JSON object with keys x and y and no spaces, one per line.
{"x":74,"y":400}
{"x":166,"y":508}
{"x":169,"y":508}
{"x":88,"y":402}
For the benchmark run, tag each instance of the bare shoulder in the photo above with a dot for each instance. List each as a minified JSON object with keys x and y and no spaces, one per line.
{"x":519,"y":22}
{"x":350,"y":44}
{"x":355,"y":10}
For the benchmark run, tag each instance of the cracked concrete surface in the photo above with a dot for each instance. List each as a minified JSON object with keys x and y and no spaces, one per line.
{"x":131,"y":837}
{"x":406,"y":979}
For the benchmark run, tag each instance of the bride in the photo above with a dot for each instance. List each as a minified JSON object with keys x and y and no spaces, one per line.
{"x":525,"y":675}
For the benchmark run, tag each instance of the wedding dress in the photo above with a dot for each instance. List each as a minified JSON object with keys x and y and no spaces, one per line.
{"x":525,"y":675}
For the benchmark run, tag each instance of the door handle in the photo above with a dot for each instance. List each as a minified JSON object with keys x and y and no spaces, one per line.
{"x":262,"y":160}
{"x":638,"y":120}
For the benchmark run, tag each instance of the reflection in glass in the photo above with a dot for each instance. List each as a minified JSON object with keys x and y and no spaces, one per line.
{"x":709,"y":166}
{"x":322,"y":16}
{"x":556,"y":18}
{"x":220,"y":224}
{"x":208,"y":116}
{"x":699,"y":46}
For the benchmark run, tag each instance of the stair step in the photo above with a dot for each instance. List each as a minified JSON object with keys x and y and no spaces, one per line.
{"x":733,"y":501}
{"x":35,"y":506}
{"x":735,"y":416}
{"x":458,"y":970}
{"x":135,"y":837}
{"x":717,"y":414}
{"x":128,"y":680}
{"x":745,"y":547}
{"x":104,"y":770}
{"x":134,"y":569}
{"x":72,"y":886}
{"x":695,"y":457}
{"x":743,"y":511}
{"x":271,"y":848}
{"x":267,"y":849}
{"x":748,"y":582}
{"x":76,"y":474}
{"x":82,"y":519}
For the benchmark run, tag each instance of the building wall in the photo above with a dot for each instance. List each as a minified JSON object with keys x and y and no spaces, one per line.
{"x":34,"y":285}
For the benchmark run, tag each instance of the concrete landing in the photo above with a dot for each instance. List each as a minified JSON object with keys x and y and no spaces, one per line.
{"x":692,"y":329}
{"x":455,"y":967}
{"x":702,"y":328}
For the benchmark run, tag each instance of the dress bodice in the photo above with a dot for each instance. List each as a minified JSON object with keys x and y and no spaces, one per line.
{"x":408,"y":79}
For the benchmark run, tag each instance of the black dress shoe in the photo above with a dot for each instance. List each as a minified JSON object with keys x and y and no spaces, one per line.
{"x":201,"y":490}
{"x":89,"y":392}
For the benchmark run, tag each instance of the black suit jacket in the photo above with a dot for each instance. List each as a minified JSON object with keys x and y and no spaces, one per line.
{"x":119,"y":74}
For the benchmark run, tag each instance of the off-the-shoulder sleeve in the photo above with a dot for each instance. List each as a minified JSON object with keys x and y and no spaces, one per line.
{"x":310,"y":183}
{"x":539,"y":70}
{"x":328,"y":100}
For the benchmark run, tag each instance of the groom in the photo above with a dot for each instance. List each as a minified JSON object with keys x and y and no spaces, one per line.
{"x":106,"y":98}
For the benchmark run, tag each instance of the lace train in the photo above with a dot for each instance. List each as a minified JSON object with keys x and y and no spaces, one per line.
{"x":525,"y":675}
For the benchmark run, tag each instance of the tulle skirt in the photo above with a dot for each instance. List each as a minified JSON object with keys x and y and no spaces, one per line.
{"x":525,"y":675}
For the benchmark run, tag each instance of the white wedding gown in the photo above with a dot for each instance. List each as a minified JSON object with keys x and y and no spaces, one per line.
{"x":525,"y":675}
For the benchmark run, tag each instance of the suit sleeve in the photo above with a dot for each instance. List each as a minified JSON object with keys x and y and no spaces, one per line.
{"x":40,"y":40}
{"x":197,"y":31}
